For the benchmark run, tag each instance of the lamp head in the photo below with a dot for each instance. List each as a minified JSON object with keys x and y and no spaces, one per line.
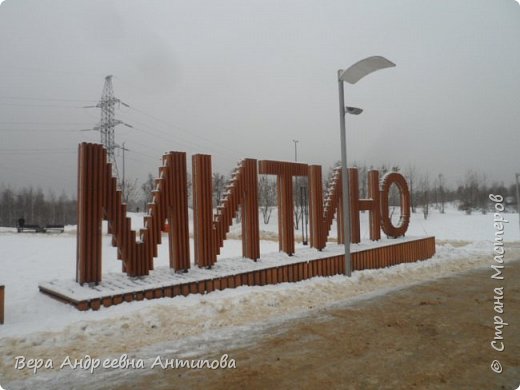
{"x":364,"y":67}
{"x":353,"y":110}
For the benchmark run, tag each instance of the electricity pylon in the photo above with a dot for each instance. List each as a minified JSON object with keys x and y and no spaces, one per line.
{"x":108,"y":122}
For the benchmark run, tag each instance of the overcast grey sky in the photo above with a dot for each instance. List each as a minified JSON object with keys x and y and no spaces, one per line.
{"x":239,"y":78}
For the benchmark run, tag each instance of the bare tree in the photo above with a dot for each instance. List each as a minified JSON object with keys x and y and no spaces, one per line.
{"x":147,"y":187}
{"x":424,"y":190}
{"x":266,"y":196}
{"x":483,"y":194}
{"x":131,"y":194}
{"x":35,"y":207}
{"x":219,"y":185}
{"x":298,"y":207}
{"x":7,"y":207}
{"x":411,"y":173}
{"x":469,"y":192}
{"x":441,"y":192}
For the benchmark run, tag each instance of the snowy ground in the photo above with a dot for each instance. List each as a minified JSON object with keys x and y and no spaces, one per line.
{"x":36,"y":325}
{"x":27,"y":259}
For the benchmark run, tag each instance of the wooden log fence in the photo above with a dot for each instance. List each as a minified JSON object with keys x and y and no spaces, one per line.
{"x":372,"y":258}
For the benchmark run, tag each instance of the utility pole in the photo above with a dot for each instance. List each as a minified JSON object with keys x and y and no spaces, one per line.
{"x":123,"y":183}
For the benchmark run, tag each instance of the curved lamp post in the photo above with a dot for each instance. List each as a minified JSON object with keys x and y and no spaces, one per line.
{"x":352,"y":75}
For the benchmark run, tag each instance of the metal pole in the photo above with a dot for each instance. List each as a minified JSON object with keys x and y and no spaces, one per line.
{"x":297,"y":186}
{"x":518,"y":198}
{"x":304,"y":215}
{"x":124,"y":191}
{"x":344,"y":177}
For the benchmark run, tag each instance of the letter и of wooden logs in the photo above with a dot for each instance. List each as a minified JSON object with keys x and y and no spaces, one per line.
{"x":210,"y":230}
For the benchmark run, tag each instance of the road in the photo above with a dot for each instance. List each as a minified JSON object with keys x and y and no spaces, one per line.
{"x":434,"y":335}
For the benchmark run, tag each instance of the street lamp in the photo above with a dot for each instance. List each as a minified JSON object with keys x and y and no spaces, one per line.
{"x":295,"y":149}
{"x":352,"y":75}
{"x":354,"y":110}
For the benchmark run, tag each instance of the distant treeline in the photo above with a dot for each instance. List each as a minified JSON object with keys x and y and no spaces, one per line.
{"x":428,"y":192}
{"x":35,"y":207}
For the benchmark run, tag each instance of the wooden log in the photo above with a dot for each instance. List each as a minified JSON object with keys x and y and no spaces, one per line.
{"x":317,"y":223}
{"x":168,"y":292}
{"x":268,"y":276}
{"x":177,"y":202}
{"x":289,"y":273}
{"x":177,"y":291}
{"x":279,"y":274}
{"x":205,"y":254}
{"x":355,"y":236}
{"x":185,"y":289}
{"x":223,"y":283}
{"x":263,"y":277}
{"x":95,"y":304}
{"x":82,"y":306}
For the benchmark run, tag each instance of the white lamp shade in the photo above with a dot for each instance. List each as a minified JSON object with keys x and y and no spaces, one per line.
{"x":364,"y":67}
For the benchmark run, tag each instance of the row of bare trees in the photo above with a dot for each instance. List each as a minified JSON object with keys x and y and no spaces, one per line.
{"x":35,"y":207}
{"x":428,"y":192}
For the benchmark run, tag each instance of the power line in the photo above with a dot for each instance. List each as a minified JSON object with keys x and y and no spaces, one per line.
{"x":32,"y":149}
{"x":42,"y":123}
{"x":37,"y":105}
{"x":74,"y":72}
{"x":35,"y":151}
{"x":45,"y":99}
{"x":170,"y":124}
{"x":73,"y":131}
